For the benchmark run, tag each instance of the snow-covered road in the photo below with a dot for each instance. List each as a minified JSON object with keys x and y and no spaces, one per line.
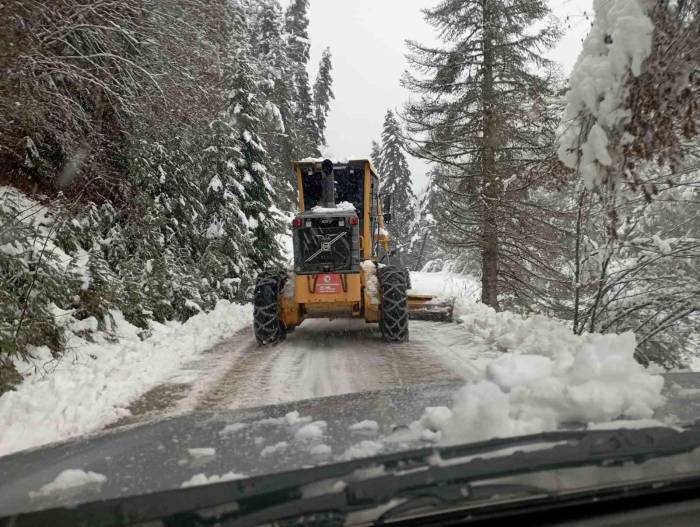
{"x":320,"y":358}
{"x":520,"y":375}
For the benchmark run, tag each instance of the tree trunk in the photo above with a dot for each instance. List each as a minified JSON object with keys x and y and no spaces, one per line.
{"x":490,"y":184}
{"x":577,"y":272}
{"x":422,"y":249}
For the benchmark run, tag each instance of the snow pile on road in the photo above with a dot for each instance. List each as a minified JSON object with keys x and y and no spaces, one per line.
{"x":69,"y":480}
{"x":548,"y":377}
{"x":93,"y":383}
{"x":618,"y":43}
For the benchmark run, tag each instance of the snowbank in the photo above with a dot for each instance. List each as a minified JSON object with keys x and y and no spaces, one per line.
{"x":548,"y":377}
{"x":95,"y":381}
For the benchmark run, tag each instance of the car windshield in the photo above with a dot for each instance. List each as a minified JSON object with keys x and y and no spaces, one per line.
{"x":245,"y":238}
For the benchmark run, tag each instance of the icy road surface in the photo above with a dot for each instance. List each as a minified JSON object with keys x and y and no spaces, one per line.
{"x":320,"y":358}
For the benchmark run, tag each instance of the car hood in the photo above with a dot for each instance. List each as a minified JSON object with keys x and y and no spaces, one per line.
{"x":203,"y":447}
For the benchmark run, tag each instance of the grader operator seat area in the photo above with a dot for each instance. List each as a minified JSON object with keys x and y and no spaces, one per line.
{"x":327,"y":233}
{"x":349,"y":186}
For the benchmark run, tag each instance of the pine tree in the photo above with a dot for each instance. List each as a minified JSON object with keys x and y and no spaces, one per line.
{"x":376,"y":155}
{"x":323,"y":94}
{"x":396,"y":181}
{"x":277,"y":89}
{"x":170,"y":150}
{"x":424,"y":246}
{"x":296,"y":27}
{"x":475,"y":110}
{"x":258,"y":203}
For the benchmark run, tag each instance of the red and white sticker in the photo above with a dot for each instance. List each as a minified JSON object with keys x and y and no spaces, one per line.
{"x":328,"y":283}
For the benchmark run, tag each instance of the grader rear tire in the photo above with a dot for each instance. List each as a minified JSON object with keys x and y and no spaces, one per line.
{"x":267,"y":325}
{"x":393,"y":319}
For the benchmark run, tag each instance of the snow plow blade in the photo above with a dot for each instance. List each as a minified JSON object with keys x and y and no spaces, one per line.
{"x":428,"y":307}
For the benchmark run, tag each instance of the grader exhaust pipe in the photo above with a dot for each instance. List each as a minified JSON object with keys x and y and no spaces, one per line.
{"x":327,"y":185}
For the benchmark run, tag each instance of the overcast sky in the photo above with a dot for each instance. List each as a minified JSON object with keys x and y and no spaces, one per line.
{"x":367,"y":37}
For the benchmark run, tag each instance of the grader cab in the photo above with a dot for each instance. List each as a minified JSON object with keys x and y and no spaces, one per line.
{"x":342,"y":259}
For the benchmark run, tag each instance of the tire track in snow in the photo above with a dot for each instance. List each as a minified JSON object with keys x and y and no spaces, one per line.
{"x":320,"y":358}
{"x":330,"y":358}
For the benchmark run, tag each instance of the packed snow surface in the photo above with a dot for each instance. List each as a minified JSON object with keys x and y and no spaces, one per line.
{"x":68,"y":480}
{"x":94,"y":382}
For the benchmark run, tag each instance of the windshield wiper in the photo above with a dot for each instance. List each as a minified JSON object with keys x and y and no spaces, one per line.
{"x":441,"y":474}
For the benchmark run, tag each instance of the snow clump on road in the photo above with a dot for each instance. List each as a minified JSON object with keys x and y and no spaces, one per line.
{"x":69,"y":480}
{"x":203,"y":479}
{"x":311,"y":431}
{"x":365,"y":448}
{"x":549,"y":376}
{"x":365,"y":426}
{"x":273,"y":449}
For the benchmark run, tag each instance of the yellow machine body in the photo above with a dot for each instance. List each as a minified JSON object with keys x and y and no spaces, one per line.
{"x":359,"y":296}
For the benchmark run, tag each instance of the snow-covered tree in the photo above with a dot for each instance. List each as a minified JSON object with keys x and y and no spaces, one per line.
{"x":478,"y":108}
{"x":375,"y":154}
{"x":277,"y":89}
{"x":323,"y":94}
{"x":258,"y":202}
{"x":424,"y":245}
{"x":627,"y":134}
{"x":167,"y":132}
{"x":633,"y":93}
{"x":396,"y":181}
{"x":298,"y":45}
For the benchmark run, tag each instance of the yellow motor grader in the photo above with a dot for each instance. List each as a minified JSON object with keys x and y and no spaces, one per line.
{"x":342,"y":259}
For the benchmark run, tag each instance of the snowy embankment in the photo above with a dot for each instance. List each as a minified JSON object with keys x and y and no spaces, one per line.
{"x":547,"y":378}
{"x":93,"y":383}
{"x":543,"y":377}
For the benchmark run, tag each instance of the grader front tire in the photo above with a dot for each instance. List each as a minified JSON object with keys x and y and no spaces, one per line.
{"x":393,"y":319}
